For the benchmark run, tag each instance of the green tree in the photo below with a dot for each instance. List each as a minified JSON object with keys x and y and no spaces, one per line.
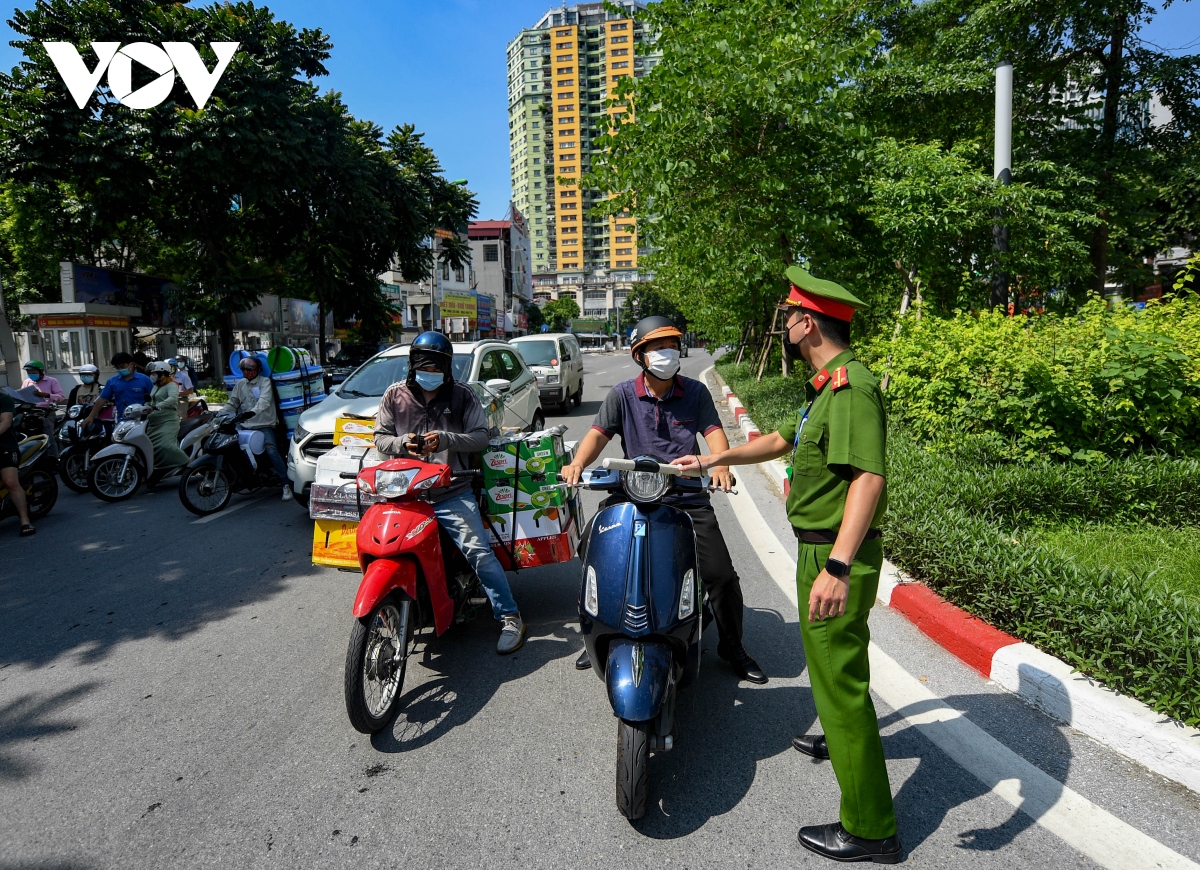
{"x":560,"y":313}
{"x":741,"y":154}
{"x":644,"y":301}
{"x":534,"y":315}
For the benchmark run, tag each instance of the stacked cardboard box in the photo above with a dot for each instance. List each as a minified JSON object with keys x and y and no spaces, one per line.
{"x":337,"y":504}
{"x":530,"y":521}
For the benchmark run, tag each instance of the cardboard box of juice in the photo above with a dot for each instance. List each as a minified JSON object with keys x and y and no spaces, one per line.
{"x":351,"y":431}
{"x":334,"y":543}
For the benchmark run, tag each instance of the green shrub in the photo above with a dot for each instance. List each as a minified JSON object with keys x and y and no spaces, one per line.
{"x":1096,"y":383}
{"x":770,"y":401}
{"x":1131,"y":634}
{"x":213,"y":394}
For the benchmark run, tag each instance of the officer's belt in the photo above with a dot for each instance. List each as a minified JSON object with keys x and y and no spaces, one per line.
{"x":828,"y":536}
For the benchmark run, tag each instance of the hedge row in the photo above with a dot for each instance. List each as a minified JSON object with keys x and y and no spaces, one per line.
{"x":954,"y":522}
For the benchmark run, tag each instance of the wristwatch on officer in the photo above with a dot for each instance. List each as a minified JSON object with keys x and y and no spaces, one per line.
{"x":838,"y":569}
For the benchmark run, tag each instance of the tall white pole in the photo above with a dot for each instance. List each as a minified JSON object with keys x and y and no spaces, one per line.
{"x":1002,"y":170}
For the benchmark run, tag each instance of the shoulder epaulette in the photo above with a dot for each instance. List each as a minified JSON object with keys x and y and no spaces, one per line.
{"x":839,"y":379}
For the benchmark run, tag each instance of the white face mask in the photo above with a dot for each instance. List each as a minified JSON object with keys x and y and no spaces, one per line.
{"x":662,"y":363}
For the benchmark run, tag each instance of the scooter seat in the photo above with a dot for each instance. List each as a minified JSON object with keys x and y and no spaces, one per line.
{"x":189,"y":424}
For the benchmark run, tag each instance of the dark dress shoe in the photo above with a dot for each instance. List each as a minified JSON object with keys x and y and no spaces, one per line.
{"x":835,"y":842}
{"x":745,"y":667}
{"x":583,"y":662}
{"x":811,"y":744}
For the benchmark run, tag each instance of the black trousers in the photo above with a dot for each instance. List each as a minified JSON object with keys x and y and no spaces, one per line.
{"x":721,"y":581}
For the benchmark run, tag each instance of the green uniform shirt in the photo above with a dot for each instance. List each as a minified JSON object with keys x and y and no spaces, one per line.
{"x":846,"y":429}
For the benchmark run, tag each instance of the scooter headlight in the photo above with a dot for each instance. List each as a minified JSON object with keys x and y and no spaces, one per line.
{"x":591,"y":595}
{"x":687,"y":597}
{"x":392,"y":484}
{"x":122,"y":430}
{"x":644,"y":486}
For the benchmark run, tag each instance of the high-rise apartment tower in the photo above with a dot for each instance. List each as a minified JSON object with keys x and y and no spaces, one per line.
{"x":560,"y":74}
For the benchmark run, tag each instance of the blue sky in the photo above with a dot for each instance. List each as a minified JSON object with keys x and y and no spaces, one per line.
{"x":440,"y":64}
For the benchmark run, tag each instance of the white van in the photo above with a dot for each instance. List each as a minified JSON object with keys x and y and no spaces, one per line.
{"x":557,"y":362}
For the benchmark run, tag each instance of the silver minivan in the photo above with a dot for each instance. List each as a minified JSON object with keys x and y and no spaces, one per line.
{"x":557,"y":362}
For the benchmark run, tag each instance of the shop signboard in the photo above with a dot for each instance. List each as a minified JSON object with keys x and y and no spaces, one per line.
{"x":97,"y":286}
{"x":460,"y":305}
{"x":484,"y":306}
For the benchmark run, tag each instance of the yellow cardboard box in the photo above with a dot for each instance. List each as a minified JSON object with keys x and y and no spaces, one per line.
{"x":354,"y":431}
{"x":334,"y":543}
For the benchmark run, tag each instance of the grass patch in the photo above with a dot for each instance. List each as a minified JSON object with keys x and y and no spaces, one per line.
{"x":1171,"y":556}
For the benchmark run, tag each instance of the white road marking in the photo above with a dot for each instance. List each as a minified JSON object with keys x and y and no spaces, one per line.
{"x":227,"y":511}
{"x":1089,"y":829}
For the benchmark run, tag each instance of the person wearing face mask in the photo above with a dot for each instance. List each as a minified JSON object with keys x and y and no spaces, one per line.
{"x":49,"y":390}
{"x":127,"y":387}
{"x":162,"y":426}
{"x":661,"y":413}
{"x":838,"y":455}
{"x":430,"y":416}
{"x":88,"y":389}
{"x":255,"y":393}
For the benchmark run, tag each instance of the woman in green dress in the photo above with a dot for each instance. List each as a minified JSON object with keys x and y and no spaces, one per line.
{"x":162,"y":426}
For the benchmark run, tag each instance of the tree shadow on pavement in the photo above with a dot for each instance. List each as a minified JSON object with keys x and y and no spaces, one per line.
{"x":32,"y":717}
{"x":724,"y":727}
{"x":83,"y":591}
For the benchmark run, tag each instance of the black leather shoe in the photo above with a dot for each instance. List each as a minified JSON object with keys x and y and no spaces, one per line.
{"x":583,"y":662}
{"x":835,"y":842}
{"x":811,"y":744}
{"x":745,"y":667}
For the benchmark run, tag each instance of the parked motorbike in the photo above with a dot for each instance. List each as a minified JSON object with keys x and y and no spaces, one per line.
{"x":233,"y":461}
{"x":413,"y":576}
{"x":120,"y":468}
{"x":640,"y":610}
{"x":36,"y":474}
{"x":77,"y":445}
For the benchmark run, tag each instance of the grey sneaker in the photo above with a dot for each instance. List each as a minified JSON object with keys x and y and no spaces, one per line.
{"x":287,"y":493}
{"x":512,"y":635}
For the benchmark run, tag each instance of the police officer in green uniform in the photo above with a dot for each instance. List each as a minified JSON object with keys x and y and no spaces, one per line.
{"x":837,"y":446}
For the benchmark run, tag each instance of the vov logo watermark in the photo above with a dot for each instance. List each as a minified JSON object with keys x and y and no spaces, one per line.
{"x":171,"y":58}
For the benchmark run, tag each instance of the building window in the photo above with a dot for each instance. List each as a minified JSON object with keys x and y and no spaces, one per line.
{"x":458,"y":274}
{"x":566,"y":120}
{"x":621,"y":64}
{"x":619,"y":25}
{"x":538,"y":245}
{"x":537,"y":135}
{"x":564,"y":107}
{"x":562,"y":57}
{"x":445,"y":271}
{"x":535,"y":126}
{"x":620,"y":52}
{"x":491,"y":253}
{"x":536,"y":161}
{"x":536,"y":185}
{"x":624,"y":251}
{"x":537,"y":232}
{"x":624,"y":262}
{"x":565,"y":70}
{"x":618,"y":39}
{"x":562,"y":145}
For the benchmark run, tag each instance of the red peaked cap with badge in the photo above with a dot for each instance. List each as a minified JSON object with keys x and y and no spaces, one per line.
{"x":824,"y":297}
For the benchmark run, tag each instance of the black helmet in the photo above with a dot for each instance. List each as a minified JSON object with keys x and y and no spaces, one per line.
{"x":430,"y":347}
{"x":650,"y":328}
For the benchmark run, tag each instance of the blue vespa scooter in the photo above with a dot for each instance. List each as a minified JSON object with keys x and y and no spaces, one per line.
{"x":640,"y":604}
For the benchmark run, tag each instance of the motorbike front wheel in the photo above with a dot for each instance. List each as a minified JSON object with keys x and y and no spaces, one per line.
{"x":41,"y":492}
{"x":204,"y":490}
{"x":107,"y":482}
{"x":73,"y":469}
{"x":633,"y":752}
{"x":376,"y":660}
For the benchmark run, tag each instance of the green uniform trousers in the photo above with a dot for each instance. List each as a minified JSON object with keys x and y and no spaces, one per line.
{"x":836,"y":651}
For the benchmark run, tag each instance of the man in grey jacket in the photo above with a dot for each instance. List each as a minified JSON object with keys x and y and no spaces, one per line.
{"x":255,"y":393}
{"x":431,"y":417}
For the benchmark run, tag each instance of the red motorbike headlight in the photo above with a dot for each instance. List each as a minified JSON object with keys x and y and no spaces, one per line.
{"x":365,"y":485}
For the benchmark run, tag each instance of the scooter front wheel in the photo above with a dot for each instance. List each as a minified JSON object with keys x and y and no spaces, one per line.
{"x":376,"y":661}
{"x":633,"y":753}
{"x":41,"y":492}
{"x":204,"y":490}
{"x":72,"y":468}
{"x":114,"y":478}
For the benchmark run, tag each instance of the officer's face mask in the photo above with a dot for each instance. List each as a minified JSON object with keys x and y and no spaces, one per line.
{"x":429,"y":380}
{"x":662,"y":364}
{"x":792,"y":349}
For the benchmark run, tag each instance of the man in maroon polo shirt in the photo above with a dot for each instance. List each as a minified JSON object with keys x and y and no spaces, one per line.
{"x":660,"y":413}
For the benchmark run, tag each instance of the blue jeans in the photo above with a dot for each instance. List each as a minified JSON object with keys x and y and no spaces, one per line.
{"x":271,"y":449}
{"x":459,"y":516}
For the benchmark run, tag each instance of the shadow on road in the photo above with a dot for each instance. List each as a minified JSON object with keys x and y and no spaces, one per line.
{"x":101,"y":575}
{"x":32,"y":717}
{"x":724,"y":727}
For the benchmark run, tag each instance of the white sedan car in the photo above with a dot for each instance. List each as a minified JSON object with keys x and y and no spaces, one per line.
{"x":505,"y":387}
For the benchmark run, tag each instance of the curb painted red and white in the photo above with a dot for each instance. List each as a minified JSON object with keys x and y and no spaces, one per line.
{"x":749,"y":429}
{"x":1165,"y":746}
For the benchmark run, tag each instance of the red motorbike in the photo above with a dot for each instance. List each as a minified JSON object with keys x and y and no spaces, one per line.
{"x":413,"y":576}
